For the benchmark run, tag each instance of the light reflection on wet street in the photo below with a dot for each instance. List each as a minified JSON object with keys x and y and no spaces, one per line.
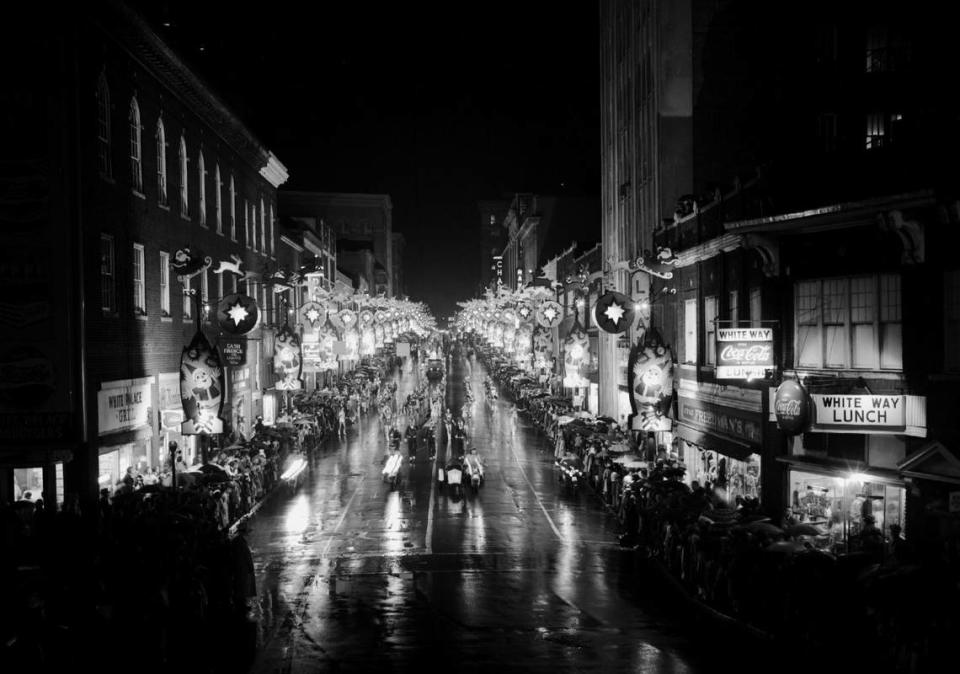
{"x":521,"y":576}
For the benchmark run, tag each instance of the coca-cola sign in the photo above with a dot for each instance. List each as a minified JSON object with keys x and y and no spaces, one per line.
{"x":791,"y":406}
{"x":744,"y":353}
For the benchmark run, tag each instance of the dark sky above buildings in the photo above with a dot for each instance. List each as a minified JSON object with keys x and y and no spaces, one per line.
{"x":438,"y":105}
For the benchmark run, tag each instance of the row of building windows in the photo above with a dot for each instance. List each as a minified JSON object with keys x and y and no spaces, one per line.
{"x":226,"y":284}
{"x":839,"y":323}
{"x":258,"y":224}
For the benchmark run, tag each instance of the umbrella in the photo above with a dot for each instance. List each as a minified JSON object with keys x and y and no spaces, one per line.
{"x":583,"y":414}
{"x":564,"y":420}
{"x":803,"y":530}
{"x":618,"y":448}
{"x":787,"y":547}
{"x":764,"y":527}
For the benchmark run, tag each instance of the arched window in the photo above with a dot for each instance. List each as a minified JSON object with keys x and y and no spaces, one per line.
{"x":263,"y":229}
{"x":233,"y":210}
{"x":218,"y":201}
{"x":161,"y":163}
{"x":202,"y":192}
{"x":136,"y":149}
{"x":184,"y":203}
{"x":103,"y":127}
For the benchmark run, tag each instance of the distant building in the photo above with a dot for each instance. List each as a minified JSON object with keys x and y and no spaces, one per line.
{"x":355,"y":217}
{"x":399,"y":278}
{"x":117,"y":156}
{"x":493,"y":237}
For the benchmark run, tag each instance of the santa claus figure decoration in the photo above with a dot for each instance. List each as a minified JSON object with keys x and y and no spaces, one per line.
{"x":201,"y":388}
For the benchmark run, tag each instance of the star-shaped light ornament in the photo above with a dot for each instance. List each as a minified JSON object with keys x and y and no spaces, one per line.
{"x":237,"y":312}
{"x":550,"y":313}
{"x":313,"y":316}
{"x":614,"y":312}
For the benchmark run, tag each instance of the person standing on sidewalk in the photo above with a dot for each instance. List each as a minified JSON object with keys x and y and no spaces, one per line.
{"x":342,"y":422}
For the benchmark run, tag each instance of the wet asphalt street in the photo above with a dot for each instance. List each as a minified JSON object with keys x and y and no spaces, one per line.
{"x":354,"y":576}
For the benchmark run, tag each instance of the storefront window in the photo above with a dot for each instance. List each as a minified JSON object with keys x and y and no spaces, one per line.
{"x":731,"y":477}
{"x":845,"y":508}
{"x":28,"y":483}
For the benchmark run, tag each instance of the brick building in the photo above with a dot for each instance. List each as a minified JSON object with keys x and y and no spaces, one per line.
{"x":149,"y":161}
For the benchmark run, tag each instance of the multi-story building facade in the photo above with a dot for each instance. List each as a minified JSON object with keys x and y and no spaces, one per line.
{"x":493,"y":238}
{"x":399,"y":280}
{"x":355,"y":217}
{"x":156,"y":164}
{"x":825,"y":250}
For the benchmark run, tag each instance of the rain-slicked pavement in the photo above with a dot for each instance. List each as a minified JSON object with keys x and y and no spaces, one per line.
{"x":354,"y":576}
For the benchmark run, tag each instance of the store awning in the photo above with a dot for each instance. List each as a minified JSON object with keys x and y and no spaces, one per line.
{"x":735,"y":449}
{"x":932,"y":462}
{"x":852,"y":468}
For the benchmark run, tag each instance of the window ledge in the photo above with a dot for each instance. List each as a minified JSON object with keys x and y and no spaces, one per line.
{"x":185,"y":217}
{"x":141,"y":316}
{"x":107,"y":179}
{"x":204,"y":225}
{"x":163,"y":207}
{"x":110,"y":314}
{"x":166,"y":319}
{"x":137,"y":194}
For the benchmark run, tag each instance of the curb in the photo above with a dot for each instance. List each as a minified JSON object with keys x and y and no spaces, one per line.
{"x":232,"y":530}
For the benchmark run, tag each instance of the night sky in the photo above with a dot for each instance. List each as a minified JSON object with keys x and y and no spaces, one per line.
{"x":438,"y":106}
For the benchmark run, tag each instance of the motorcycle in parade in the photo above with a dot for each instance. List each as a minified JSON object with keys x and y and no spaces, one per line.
{"x":474,"y":468}
{"x":571,"y":474}
{"x":454,"y":478}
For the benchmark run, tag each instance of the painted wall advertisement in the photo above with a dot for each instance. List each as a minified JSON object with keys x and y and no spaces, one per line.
{"x":744,"y":353}
{"x":859,"y":413}
{"x":124,"y":406}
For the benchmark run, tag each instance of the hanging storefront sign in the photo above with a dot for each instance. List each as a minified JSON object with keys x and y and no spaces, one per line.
{"x":744,"y":353}
{"x":509,"y":338}
{"x":313,"y":314}
{"x":237,"y":314}
{"x":650,"y":377}
{"x":403,"y":348}
{"x":327,"y":359}
{"x":124,"y":406}
{"x":859,"y":413}
{"x":201,"y":388}
{"x":549,"y":314}
{"x":791,"y":407}
{"x":287,"y":360}
{"x":614,"y":312}
{"x":234,"y":352}
{"x":576,"y":357}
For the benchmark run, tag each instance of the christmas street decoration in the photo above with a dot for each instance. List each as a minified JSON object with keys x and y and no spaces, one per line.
{"x":549,"y":314}
{"x":201,"y":387}
{"x":313,"y":314}
{"x":614,"y":312}
{"x":187,"y":262}
{"x":287,"y":359}
{"x":237,"y":314}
